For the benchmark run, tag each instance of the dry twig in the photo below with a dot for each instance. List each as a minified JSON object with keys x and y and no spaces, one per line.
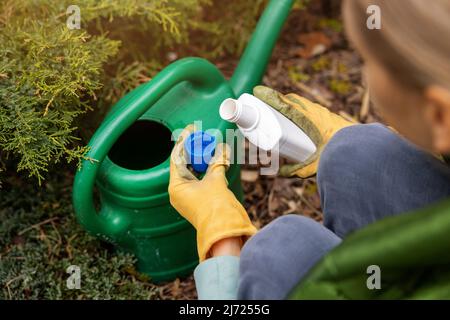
{"x":314,"y":93}
{"x":37,"y":225}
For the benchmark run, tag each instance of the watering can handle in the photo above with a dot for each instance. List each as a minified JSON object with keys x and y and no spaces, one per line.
{"x":198,"y":72}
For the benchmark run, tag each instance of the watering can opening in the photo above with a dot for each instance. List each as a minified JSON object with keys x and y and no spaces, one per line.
{"x":145,"y":144}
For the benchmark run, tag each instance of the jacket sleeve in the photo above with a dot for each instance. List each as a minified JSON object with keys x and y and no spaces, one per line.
{"x":217,"y":278}
{"x":409,"y":250}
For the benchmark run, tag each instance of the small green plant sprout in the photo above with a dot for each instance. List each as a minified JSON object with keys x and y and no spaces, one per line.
{"x":296,"y":75}
{"x":338,"y":86}
{"x":322,"y":63}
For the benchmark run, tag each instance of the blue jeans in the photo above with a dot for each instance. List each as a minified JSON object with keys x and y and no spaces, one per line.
{"x":365,"y":173}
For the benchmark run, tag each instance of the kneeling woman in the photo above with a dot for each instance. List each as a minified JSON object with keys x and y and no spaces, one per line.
{"x":382,"y":189}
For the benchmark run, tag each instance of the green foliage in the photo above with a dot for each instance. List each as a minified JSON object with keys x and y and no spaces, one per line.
{"x":342,"y":68}
{"x":332,"y":24}
{"x":50,"y":75}
{"x":46,"y":70}
{"x":296,"y":75}
{"x":227,"y":25}
{"x":39,"y":239}
{"x":340,"y":86}
{"x":322,"y":63}
{"x":300,"y":4}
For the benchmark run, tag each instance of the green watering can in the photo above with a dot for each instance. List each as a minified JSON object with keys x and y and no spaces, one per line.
{"x":130,"y":154}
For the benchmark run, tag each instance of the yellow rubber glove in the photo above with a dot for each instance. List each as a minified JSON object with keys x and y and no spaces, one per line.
{"x":207,"y":204}
{"x":316,"y":121}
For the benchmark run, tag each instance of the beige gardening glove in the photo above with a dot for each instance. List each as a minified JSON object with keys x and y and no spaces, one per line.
{"x":207,"y":204}
{"x":316,"y":121}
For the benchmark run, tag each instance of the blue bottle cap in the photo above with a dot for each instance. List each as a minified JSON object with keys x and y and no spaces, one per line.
{"x":199,"y":148}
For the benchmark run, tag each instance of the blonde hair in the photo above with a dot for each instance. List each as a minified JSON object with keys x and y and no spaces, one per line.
{"x":413,"y":42}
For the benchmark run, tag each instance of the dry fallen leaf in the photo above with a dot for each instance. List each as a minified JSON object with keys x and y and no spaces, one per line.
{"x":314,"y":43}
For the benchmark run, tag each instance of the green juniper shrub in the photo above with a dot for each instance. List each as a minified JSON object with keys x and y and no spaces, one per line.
{"x":40,"y":238}
{"x":50,"y":74}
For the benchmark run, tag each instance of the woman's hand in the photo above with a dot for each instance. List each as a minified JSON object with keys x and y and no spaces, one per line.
{"x":208,"y":204}
{"x":316,"y":121}
{"x":227,"y":247}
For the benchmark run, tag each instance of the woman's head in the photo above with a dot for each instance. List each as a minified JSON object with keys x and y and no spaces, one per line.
{"x":407,"y":65}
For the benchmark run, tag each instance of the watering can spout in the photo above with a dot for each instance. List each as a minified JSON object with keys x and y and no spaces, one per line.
{"x":253,"y":63}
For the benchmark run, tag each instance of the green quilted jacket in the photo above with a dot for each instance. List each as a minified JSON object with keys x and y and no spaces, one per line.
{"x":411,"y":250}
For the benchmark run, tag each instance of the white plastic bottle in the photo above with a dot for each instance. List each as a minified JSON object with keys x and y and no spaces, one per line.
{"x":266,"y":128}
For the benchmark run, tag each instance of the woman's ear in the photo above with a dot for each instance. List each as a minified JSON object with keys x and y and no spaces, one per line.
{"x":438,"y":116}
